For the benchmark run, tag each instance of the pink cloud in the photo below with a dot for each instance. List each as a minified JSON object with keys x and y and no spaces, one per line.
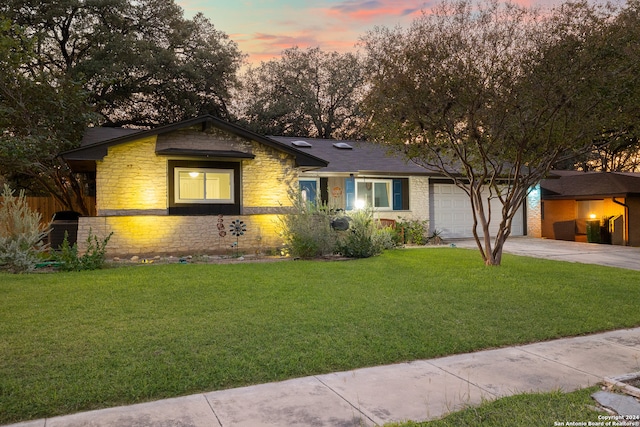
{"x":370,"y":10}
{"x":337,"y":27}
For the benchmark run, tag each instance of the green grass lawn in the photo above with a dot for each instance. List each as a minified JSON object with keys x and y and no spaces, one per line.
{"x":540,"y":409}
{"x":79,"y":341}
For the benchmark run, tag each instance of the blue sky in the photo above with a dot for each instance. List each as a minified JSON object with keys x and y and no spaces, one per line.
{"x":264,"y":28}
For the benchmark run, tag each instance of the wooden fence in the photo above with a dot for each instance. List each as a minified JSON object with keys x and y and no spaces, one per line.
{"x":47,"y":206}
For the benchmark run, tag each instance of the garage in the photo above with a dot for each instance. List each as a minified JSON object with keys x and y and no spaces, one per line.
{"x":451,"y":214}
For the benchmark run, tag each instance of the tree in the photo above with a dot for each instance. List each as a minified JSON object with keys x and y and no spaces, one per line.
{"x":132,"y":62}
{"x":617,"y":149}
{"x":38,"y":119}
{"x":141,"y":61}
{"x":304,"y":93}
{"x":493,"y":95}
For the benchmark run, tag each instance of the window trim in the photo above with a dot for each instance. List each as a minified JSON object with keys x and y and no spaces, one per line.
{"x":180,"y":201}
{"x":373,"y":181}
{"x":181,"y":209}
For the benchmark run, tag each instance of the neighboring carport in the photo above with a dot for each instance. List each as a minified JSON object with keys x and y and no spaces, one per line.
{"x":595,"y":207}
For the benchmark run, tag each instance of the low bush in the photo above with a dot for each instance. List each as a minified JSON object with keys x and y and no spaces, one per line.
{"x":364,"y":238}
{"x":22,"y":236}
{"x":413,"y":231}
{"x":307,"y":230}
{"x":93,"y":259}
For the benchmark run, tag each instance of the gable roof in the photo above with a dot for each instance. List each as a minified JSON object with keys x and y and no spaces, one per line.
{"x":97,"y":141}
{"x":590,"y":185}
{"x":361,"y":158}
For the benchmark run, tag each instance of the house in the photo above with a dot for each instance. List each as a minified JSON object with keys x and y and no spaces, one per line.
{"x":163,"y":190}
{"x":364,"y":173}
{"x":176,"y":188}
{"x":575,"y":203}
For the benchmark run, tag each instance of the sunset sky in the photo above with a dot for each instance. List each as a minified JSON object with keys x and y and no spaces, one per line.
{"x":264,"y":28}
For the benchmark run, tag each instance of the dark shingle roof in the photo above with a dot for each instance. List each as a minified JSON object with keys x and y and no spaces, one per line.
{"x":98,"y":140}
{"x":96,"y":135}
{"x":584,"y":185}
{"x":363,"y":157}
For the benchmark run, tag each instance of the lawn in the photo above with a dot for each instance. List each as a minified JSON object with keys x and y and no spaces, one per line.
{"x":541,"y":409}
{"x":79,"y":341}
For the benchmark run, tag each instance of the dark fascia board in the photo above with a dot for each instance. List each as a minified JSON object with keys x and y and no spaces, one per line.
{"x":99,"y":150}
{"x":205,"y":153}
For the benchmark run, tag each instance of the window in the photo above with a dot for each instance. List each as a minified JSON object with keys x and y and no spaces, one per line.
{"x":309,"y":190}
{"x":382,"y":194}
{"x":374,"y":193}
{"x":200,"y":185}
{"x":590,"y":209}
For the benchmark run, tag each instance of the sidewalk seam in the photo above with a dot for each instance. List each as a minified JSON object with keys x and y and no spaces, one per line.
{"x":345,"y":399}
{"x":212,"y":410}
{"x":542,"y":356}
{"x":460,"y":378}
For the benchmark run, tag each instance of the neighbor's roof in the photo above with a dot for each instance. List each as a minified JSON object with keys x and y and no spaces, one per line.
{"x":97,"y":141}
{"x":590,"y":185}
{"x":357,"y":157}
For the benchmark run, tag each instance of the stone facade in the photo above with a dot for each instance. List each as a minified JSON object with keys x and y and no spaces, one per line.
{"x":132,"y":178}
{"x":133,"y":198}
{"x":267,"y":180}
{"x":180,"y":235}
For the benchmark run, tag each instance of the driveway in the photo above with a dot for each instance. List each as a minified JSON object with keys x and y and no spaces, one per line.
{"x":586,"y":253}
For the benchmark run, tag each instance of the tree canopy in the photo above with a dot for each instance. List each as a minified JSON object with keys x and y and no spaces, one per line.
{"x":493,"y":95}
{"x":309,"y":93}
{"x":72,"y":63}
{"x":141,"y":62}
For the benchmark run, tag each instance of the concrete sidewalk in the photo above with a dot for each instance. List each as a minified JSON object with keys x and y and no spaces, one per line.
{"x":418,"y":391}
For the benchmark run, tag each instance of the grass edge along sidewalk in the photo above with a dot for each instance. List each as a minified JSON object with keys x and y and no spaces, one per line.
{"x":79,"y":341}
{"x":528,"y":409}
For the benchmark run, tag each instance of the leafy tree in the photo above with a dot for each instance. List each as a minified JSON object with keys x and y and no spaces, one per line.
{"x":141,"y":61}
{"x":493,"y":95}
{"x":304,"y":93}
{"x":38,"y":119}
{"x":617,"y":148}
{"x":134,"y":63}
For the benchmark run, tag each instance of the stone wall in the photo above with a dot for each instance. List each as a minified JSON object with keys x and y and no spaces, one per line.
{"x":132,"y":178}
{"x":179,"y":235}
{"x":267,"y":180}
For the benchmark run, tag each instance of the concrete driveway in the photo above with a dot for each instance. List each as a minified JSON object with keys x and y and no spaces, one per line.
{"x":586,"y":253}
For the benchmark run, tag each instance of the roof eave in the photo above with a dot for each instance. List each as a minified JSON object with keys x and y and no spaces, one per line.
{"x":99,"y":150}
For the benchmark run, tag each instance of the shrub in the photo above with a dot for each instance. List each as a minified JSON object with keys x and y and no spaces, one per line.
{"x":92,"y":259}
{"x":307,"y":230}
{"x":364,"y":239}
{"x":414,"y":231}
{"x":386,"y":237}
{"x":21,"y":233}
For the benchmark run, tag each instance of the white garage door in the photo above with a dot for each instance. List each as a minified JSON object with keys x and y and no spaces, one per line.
{"x":450,"y":213}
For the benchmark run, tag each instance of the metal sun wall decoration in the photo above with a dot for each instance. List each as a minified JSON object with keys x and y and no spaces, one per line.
{"x":237,"y":228}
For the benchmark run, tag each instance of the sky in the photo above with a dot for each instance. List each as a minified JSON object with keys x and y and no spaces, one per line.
{"x":264,"y":28}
